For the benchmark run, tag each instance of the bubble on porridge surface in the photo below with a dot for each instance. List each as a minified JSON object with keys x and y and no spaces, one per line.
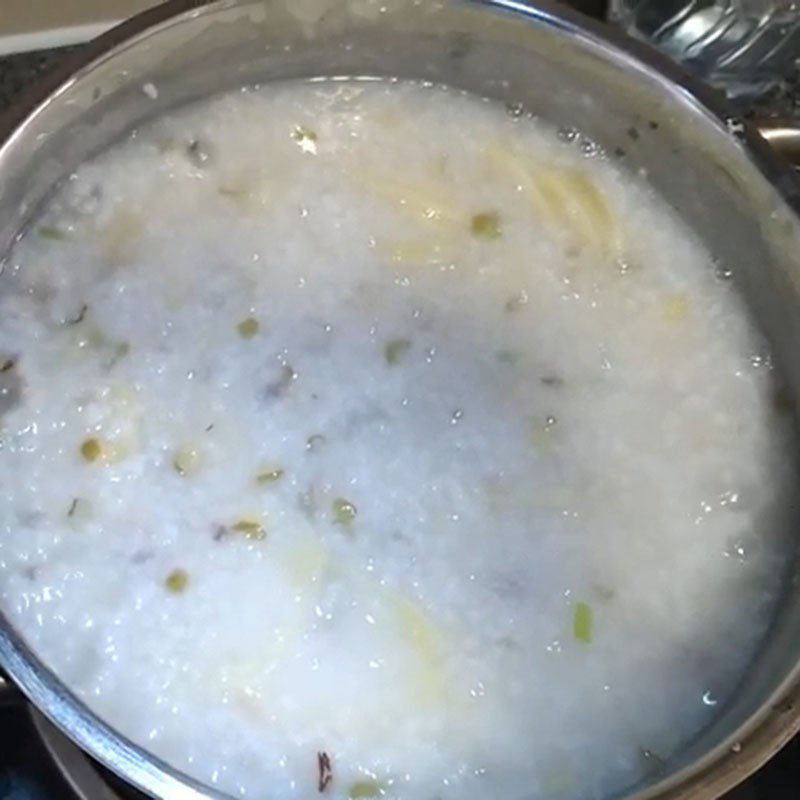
{"x":387,"y":445}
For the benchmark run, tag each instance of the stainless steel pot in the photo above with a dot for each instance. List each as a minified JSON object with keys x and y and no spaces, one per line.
{"x":719,"y":175}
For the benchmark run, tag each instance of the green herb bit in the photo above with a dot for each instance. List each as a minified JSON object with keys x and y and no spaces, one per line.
{"x":248,"y":328}
{"x":52,"y":232}
{"x":486,"y":225}
{"x":269,"y":475}
{"x":300,"y":132}
{"x":230,"y":191}
{"x":251,"y":529}
{"x":79,"y":511}
{"x":508,"y":356}
{"x":80,"y":317}
{"x":582,"y":623}
{"x":395,"y":350}
{"x":364,"y":789}
{"x":220,"y":532}
{"x":177,"y":581}
{"x":186,"y":461}
{"x":306,"y":139}
{"x":198,"y":153}
{"x":313,"y":443}
{"x":516,"y":302}
{"x":94,"y":338}
{"x":8,"y":365}
{"x":121,"y":350}
{"x":92,"y":450}
{"x":552,"y":380}
{"x":73,"y":507}
{"x":281,"y":385}
{"x":344,"y":512}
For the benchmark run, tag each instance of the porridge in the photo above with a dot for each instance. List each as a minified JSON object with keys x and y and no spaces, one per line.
{"x":360,"y":439}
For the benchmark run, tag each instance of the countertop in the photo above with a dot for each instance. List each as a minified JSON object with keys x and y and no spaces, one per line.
{"x":32,"y":24}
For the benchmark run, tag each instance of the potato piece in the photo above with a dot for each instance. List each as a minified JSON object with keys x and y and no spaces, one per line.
{"x":563,"y":196}
{"x":426,"y":251}
{"x":425,"y":200}
{"x":427,"y":644}
{"x":121,"y":234}
{"x":305,"y":562}
{"x":417,"y":626}
{"x":580,"y":201}
{"x":676,"y":308}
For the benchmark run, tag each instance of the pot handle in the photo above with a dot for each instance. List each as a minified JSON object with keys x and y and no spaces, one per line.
{"x":784,"y":136}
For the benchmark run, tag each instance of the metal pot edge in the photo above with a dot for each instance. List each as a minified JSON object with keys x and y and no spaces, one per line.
{"x":756,"y":741}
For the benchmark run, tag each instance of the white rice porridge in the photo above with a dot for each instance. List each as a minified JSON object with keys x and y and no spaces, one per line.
{"x":364,"y":440}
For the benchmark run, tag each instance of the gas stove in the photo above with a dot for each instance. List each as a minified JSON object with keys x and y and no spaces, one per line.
{"x":37,"y":762}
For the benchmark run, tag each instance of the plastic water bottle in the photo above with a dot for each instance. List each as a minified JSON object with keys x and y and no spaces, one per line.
{"x":741,"y":46}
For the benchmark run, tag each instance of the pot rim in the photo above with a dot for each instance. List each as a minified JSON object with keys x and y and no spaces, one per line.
{"x":760,"y":737}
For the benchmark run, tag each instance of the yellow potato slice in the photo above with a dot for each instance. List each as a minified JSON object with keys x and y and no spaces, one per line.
{"x":566,"y":197}
{"x":424,"y":199}
{"x":676,"y":308}
{"x":427,"y":643}
{"x":121,"y":234}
